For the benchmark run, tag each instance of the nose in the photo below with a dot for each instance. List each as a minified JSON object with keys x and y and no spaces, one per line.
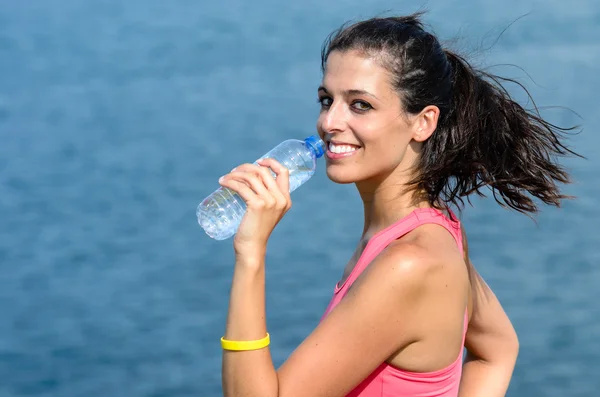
{"x":333,"y":119}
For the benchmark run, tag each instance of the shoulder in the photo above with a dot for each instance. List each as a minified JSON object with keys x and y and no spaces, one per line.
{"x":424,"y":263}
{"x":403,"y":267}
{"x":400,"y":288}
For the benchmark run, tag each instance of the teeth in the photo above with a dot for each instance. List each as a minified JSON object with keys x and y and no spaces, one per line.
{"x":341,"y":148}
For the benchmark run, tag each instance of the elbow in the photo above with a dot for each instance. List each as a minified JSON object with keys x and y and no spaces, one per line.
{"x":500,"y":352}
{"x":513,"y":346}
{"x":510,"y":351}
{"x":509,"y":342}
{"x":512,"y":342}
{"x":508,"y":360}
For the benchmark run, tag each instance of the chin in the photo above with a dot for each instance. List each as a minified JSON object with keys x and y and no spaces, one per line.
{"x":339,"y":176}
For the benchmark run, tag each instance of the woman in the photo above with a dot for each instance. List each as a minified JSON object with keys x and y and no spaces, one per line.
{"x":415,"y":128}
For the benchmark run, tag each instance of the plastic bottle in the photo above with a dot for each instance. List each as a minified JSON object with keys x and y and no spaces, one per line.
{"x":220,"y":213}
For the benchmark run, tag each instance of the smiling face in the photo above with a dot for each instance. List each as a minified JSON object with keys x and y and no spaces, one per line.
{"x":362,"y":122}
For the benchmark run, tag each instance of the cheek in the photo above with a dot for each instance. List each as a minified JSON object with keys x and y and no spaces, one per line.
{"x":387,"y":155}
{"x":388,"y":150}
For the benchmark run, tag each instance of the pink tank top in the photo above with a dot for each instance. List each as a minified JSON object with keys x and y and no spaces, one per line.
{"x":386,"y":380}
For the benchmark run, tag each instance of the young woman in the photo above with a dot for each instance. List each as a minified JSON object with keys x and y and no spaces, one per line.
{"x":416,"y":129}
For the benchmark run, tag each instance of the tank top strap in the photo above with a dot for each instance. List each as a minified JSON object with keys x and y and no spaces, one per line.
{"x":383,"y":238}
{"x":419,"y":217}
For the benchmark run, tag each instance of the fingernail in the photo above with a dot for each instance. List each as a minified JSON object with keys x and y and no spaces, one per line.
{"x":233,"y":169}
{"x":221,"y":179}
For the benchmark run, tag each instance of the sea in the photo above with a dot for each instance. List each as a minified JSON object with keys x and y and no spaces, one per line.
{"x":118,"y":117}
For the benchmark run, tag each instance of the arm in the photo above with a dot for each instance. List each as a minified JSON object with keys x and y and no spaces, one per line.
{"x":491,"y":342}
{"x":379,"y":311}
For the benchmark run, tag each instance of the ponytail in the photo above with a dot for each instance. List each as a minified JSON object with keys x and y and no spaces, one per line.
{"x":487,"y":139}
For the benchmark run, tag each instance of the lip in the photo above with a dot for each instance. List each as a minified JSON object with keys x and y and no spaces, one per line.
{"x":335,"y":156}
{"x":340,"y":143}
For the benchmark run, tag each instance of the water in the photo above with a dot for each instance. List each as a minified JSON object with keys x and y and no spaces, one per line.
{"x":117,"y":117}
{"x":220,"y":214}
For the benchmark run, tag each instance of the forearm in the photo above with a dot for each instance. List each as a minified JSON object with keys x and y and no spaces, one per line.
{"x":248,"y":373}
{"x":481,"y":378}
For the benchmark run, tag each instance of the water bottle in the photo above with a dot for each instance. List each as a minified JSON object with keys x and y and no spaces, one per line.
{"x":220,"y":213}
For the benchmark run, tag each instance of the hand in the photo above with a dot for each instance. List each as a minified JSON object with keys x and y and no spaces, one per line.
{"x":267,"y":200}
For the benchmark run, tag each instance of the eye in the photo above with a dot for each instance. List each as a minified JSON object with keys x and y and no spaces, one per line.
{"x":325,"y":101}
{"x":361,"y":106}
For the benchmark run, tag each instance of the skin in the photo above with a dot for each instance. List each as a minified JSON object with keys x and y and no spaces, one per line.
{"x":407,"y":308}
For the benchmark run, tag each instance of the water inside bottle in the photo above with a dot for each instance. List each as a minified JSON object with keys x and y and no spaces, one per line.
{"x":220,"y":213}
{"x":298,"y":176}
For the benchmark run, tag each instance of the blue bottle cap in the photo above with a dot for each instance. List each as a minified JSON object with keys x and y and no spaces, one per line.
{"x":317,"y":144}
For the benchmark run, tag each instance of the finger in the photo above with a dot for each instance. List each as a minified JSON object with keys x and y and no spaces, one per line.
{"x":245,"y":192}
{"x":282,"y":174}
{"x":245,"y":168}
{"x":282,"y":200}
{"x":254,"y":182}
{"x":267,"y":176}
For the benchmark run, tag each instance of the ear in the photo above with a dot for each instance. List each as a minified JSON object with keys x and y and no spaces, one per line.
{"x":425,"y":123}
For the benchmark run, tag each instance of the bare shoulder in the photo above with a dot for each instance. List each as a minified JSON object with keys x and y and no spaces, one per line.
{"x":429,"y":247}
{"x":406,"y":263}
{"x":427,"y":264}
{"x":440,"y":248}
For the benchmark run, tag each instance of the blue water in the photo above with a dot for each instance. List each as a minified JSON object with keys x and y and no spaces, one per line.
{"x":118,"y":117}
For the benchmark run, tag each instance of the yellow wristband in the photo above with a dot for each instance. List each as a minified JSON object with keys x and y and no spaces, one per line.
{"x":236,"y":345}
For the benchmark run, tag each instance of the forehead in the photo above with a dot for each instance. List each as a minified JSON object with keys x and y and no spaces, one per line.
{"x":354,"y":70}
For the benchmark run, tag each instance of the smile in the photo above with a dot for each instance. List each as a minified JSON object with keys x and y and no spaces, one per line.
{"x":341,"y":150}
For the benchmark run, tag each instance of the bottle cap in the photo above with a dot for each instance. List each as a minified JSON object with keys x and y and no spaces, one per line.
{"x":316,"y":144}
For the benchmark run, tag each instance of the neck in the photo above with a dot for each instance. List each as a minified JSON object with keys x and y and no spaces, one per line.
{"x":386,"y":202}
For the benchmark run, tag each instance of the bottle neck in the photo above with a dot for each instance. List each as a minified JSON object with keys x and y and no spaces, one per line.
{"x":315,"y":145}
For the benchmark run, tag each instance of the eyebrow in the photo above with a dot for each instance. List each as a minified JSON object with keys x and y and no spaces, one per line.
{"x":350,"y":92}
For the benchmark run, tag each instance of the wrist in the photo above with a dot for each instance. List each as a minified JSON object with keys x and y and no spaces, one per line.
{"x":250,"y":252}
{"x":250,"y":260}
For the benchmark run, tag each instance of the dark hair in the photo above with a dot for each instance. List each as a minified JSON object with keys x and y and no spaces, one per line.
{"x":483,"y":137}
